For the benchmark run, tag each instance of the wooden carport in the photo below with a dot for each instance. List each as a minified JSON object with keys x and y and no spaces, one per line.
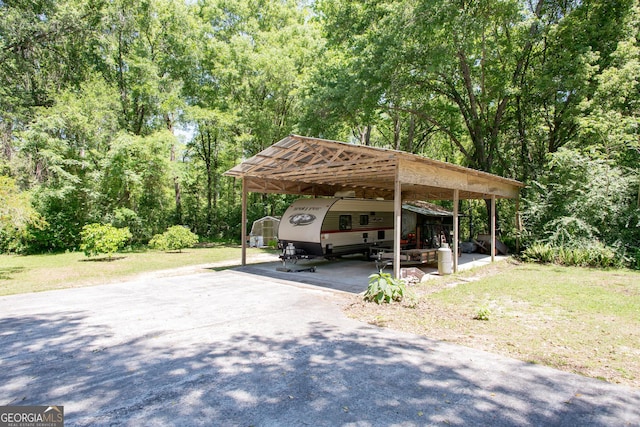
{"x":318,"y":167}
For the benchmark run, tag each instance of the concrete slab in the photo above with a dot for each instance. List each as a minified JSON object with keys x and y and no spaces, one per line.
{"x":350,"y":273}
{"x":235,"y":349}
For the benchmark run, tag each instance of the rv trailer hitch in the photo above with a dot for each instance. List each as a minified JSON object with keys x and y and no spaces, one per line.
{"x":300,"y":270}
{"x":294,"y":258}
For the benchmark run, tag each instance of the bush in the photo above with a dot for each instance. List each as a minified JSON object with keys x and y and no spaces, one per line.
{"x":592,"y":254}
{"x":384,"y":288}
{"x":103,"y":239}
{"x":584,"y":210}
{"x":175,"y":238}
{"x":540,"y":253}
{"x":17,"y":217}
{"x":483,"y":313}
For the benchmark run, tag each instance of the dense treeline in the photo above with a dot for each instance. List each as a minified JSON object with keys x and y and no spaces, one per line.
{"x":128,"y":112}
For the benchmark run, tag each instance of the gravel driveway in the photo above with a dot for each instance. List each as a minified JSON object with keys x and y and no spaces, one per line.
{"x":229,"y":348}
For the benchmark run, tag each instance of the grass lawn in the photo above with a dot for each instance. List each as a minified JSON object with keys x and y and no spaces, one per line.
{"x":580,"y":320}
{"x":35,"y":273}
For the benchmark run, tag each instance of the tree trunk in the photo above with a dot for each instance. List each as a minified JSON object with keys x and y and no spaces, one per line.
{"x":396,"y":132}
{"x":365,"y":135}
{"x":411,"y":133}
{"x":176,"y":180}
{"x":5,"y":137}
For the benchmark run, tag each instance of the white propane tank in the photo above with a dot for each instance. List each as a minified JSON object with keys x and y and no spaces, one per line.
{"x":445,"y":261}
{"x":290,"y":250}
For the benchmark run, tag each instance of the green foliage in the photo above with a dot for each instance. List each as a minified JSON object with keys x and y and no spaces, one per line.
{"x":586,"y":205}
{"x":384,"y":288}
{"x":539,"y":252}
{"x":175,"y":238}
{"x":483,"y":313}
{"x":17,"y":216}
{"x":130,"y":113}
{"x":103,"y":239}
{"x":590,"y":255}
{"x":135,"y":183}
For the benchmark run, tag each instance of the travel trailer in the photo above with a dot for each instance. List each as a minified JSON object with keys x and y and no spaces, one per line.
{"x":333,"y":227}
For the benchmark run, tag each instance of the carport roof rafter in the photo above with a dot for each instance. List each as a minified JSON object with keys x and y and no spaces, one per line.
{"x":320,"y":167}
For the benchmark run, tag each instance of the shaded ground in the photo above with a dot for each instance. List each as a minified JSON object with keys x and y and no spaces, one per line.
{"x":603,"y":347}
{"x":350,"y":273}
{"x":231,"y":348}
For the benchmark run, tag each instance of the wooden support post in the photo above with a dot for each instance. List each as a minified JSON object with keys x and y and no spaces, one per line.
{"x":397,"y":225}
{"x":493,"y":228}
{"x":454,"y":249}
{"x":518,"y":224}
{"x":243,"y":228}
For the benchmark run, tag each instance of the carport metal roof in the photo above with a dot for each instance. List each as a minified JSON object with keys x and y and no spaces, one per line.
{"x":320,"y":167}
{"x":426,"y":209}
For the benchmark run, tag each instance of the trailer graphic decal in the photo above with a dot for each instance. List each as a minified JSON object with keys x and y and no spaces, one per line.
{"x":302,"y":219}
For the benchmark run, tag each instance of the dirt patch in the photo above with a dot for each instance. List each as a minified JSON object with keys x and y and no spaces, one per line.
{"x":526,"y":331}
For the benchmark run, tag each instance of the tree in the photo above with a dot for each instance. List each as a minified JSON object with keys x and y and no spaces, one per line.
{"x":103,"y":239}
{"x":501,"y":82}
{"x":582,"y":200}
{"x":135,"y":174}
{"x":59,"y":156}
{"x":244,"y":96}
{"x":610,"y":127}
{"x":16,"y":216}
{"x":45,"y":47}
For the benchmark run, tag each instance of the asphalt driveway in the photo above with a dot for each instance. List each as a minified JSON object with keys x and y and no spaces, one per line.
{"x":229,"y":348}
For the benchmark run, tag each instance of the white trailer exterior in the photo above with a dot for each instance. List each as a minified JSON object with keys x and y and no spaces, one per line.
{"x":332,"y":227}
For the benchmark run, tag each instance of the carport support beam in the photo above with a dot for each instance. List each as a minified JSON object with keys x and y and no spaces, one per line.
{"x":456,"y":231}
{"x":243,"y":228}
{"x":518,"y":224}
{"x":397,"y":225}
{"x":493,"y":228}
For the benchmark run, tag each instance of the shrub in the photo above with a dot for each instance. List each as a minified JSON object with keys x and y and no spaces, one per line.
{"x":592,"y":254}
{"x":539,"y":252}
{"x":103,"y":239}
{"x":175,"y":238}
{"x":581,"y":203}
{"x":384,"y":288}
{"x":483,"y":313}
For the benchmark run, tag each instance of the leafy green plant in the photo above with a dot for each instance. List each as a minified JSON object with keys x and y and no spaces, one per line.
{"x":483,"y":313}
{"x":587,"y":254}
{"x":103,"y":239}
{"x":585,"y":209}
{"x":539,"y":252}
{"x":175,"y":238}
{"x":385,"y":288}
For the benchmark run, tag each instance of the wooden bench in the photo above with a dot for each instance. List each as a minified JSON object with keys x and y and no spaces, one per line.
{"x":418,"y":256}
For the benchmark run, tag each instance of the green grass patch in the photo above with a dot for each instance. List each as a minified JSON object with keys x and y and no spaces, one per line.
{"x":580,"y":320}
{"x":571,"y":291}
{"x":36,"y":273}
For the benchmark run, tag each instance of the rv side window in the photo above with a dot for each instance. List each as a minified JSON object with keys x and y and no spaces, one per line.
{"x":345,"y":222}
{"x":380,"y":234}
{"x":364,"y":219}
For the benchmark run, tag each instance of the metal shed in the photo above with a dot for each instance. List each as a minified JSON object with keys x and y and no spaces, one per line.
{"x":319,"y":167}
{"x":264,"y":230}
